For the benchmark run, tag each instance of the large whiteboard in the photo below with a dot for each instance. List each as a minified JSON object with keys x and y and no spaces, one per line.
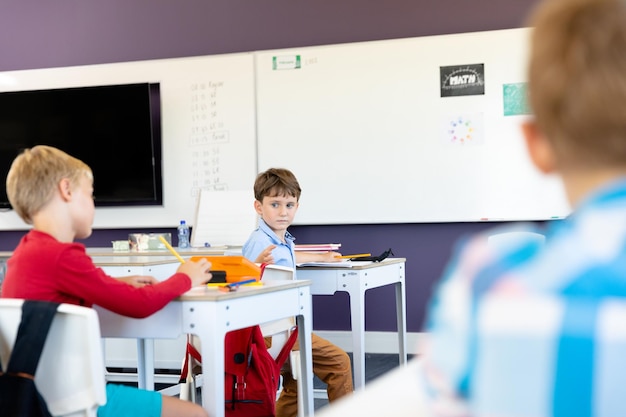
{"x":365,"y":129}
{"x":362,"y":125}
{"x":208,"y":128}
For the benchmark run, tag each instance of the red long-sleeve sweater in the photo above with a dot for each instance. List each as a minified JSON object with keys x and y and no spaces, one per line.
{"x":42,"y":268}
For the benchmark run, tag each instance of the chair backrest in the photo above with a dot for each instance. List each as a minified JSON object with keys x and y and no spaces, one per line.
{"x":502,"y":240}
{"x":278,"y":329}
{"x":70,"y":375}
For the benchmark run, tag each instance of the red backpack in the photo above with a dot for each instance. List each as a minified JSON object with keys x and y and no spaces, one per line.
{"x":251,"y":375}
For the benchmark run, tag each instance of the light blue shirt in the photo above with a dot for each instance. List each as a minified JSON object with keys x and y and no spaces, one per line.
{"x":262,"y":237}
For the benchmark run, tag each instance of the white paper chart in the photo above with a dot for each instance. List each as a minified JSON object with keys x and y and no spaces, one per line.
{"x":223,"y":218}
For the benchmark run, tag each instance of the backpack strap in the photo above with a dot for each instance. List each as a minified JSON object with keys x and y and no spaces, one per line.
{"x":190,"y":352}
{"x":286,"y":349}
{"x":37,"y":318}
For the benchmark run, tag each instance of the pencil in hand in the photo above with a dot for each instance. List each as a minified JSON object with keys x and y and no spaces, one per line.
{"x":171,"y":249}
{"x":358,"y":255}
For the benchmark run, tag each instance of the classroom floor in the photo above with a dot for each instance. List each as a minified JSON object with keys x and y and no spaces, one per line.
{"x":376,"y":364}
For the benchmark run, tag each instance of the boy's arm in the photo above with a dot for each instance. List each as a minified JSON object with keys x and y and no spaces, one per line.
{"x":448,"y":354}
{"x":258,"y":251}
{"x":303,"y":257}
{"x":265,"y":257}
{"x":139,"y":281}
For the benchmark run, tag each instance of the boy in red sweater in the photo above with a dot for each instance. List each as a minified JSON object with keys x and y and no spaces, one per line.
{"x":53,"y":191}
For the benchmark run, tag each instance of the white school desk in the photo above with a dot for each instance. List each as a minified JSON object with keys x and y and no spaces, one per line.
{"x":210,"y":314}
{"x":327,"y":280}
{"x":161,"y":268}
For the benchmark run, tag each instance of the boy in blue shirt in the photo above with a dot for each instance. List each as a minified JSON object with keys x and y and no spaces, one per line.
{"x":531,"y":329}
{"x":276,"y":193}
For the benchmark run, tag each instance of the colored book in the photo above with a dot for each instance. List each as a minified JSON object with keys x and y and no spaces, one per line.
{"x":321,"y":247}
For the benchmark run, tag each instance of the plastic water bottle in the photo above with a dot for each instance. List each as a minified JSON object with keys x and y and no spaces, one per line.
{"x":183,"y":235}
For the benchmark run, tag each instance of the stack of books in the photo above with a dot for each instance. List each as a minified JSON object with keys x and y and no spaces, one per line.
{"x":321,"y":247}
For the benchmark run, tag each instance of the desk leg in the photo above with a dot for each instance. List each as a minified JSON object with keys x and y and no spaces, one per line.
{"x":141,"y":363}
{"x":211,"y":336}
{"x":149,"y":368}
{"x":357,"y":313}
{"x":145,"y":364}
{"x":305,"y":381}
{"x":401,"y":315}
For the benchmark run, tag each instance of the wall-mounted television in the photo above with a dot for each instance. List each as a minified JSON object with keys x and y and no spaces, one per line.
{"x":115,"y":129}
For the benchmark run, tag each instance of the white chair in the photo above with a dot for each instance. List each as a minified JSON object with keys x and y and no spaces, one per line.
{"x":280,"y":330}
{"x":70,"y":375}
{"x":502,"y":240}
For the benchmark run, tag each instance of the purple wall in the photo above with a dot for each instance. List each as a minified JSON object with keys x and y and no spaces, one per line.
{"x":67,"y":33}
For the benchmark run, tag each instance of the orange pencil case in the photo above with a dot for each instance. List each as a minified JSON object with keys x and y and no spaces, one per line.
{"x":237,"y":268}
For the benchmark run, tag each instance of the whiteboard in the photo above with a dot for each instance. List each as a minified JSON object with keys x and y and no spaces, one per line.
{"x":367,"y":132}
{"x":208,"y":128}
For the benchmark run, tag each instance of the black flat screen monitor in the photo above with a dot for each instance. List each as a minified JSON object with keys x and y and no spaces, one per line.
{"x":115,"y":129}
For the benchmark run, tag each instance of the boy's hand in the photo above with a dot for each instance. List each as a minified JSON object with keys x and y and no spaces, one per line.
{"x":198,"y":271}
{"x":332,"y":257}
{"x":139,"y":281}
{"x":303,"y":257}
{"x":266,"y":257}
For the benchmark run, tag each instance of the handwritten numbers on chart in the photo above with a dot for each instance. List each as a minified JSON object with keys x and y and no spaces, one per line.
{"x":207,"y":135}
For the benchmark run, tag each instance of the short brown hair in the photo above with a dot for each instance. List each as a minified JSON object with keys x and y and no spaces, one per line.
{"x":577,"y":79}
{"x":276,"y":182}
{"x":34,"y":175}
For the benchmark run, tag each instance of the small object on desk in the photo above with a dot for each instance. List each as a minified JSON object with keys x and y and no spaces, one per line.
{"x":141,"y":242}
{"x":358,"y":255}
{"x":172,"y":250}
{"x":120,"y":245}
{"x":237,"y":268}
{"x":218,"y":277}
{"x":183,"y":235}
{"x":378,"y":258}
{"x":233,"y":286}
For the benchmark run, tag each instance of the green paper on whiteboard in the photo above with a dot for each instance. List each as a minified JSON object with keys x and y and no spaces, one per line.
{"x":515,"y":99}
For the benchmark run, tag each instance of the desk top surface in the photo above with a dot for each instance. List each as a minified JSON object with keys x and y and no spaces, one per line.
{"x":356,"y":265}
{"x":99,"y":252}
{"x":218,"y":250}
{"x":203,"y":293}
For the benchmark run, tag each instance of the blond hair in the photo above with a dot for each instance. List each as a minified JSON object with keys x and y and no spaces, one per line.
{"x":577,"y":79}
{"x":34,"y":175}
{"x":276,"y":182}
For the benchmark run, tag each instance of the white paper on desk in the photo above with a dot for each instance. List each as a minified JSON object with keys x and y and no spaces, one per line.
{"x":343,"y":264}
{"x":223,"y":218}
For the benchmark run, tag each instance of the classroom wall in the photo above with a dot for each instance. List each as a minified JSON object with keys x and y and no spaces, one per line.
{"x":68,"y":33}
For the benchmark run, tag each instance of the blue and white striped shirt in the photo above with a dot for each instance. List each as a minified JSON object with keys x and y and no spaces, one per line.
{"x":531,"y":328}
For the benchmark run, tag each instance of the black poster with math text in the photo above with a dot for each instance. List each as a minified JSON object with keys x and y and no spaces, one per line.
{"x":462,"y":80}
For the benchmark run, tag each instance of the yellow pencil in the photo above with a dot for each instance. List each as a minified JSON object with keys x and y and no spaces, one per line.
{"x":171,"y":249}
{"x":358,"y":255}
